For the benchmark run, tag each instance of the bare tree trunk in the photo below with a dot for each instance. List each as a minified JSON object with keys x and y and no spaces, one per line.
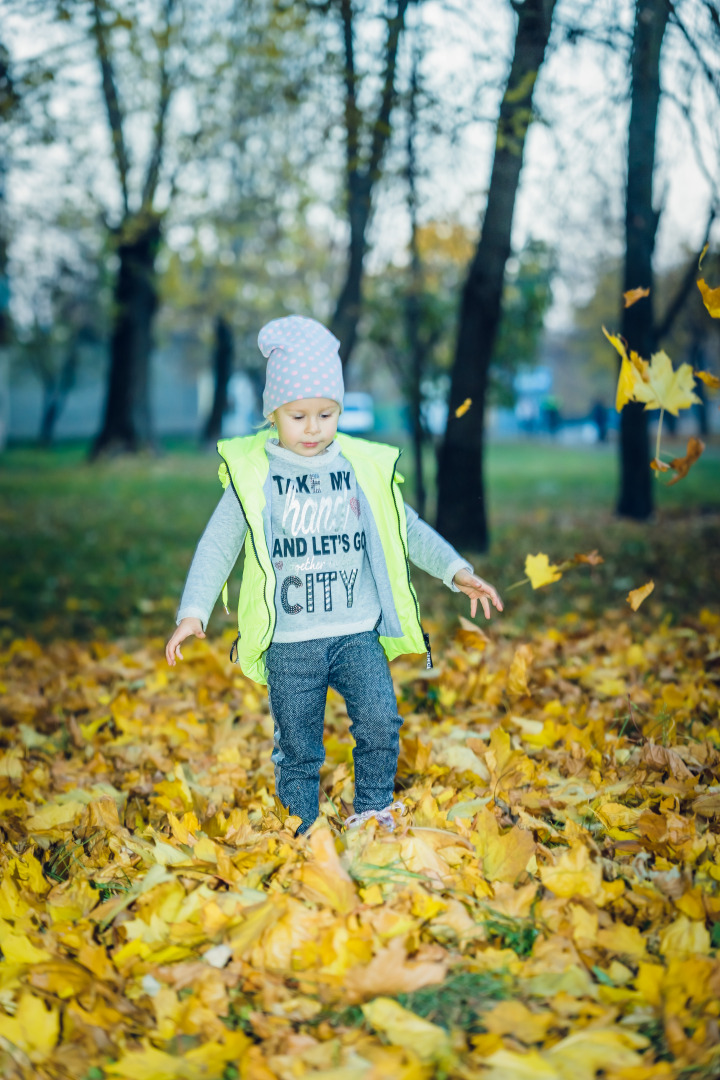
{"x":362,"y":177}
{"x":9,"y":102}
{"x":223,"y":355}
{"x":461,"y":497}
{"x":126,"y":425}
{"x":412,"y":316}
{"x":641,"y":220}
{"x":413,"y":303}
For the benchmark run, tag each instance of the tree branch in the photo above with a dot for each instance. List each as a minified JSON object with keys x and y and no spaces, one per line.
{"x":352,"y":113}
{"x":166,"y":89}
{"x":686,"y":112}
{"x":663,"y":328}
{"x":706,"y":70}
{"x":112,"y":103}
{"x":381,"y":128}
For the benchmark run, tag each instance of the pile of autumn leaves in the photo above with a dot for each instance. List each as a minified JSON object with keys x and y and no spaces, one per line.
{"x":559,"y":858}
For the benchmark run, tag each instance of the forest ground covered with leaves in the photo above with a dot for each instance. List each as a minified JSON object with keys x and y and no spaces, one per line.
{"x":549,"y":904}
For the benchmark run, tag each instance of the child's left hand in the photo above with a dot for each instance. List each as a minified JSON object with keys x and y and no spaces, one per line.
{"x":477,"y":589}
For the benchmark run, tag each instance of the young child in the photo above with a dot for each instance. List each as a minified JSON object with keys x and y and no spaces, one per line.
{"x":326,"y":597}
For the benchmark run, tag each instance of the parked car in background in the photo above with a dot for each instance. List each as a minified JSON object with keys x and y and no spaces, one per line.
{"x":358,"y":415}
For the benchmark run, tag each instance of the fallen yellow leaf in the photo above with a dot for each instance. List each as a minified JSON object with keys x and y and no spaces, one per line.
{"x":506,"y":856}
{"x":581,"y":1055}
{"x":54,"y":815}
{"x":391,"y":972}
{"x":623,"y":940}
{"x":574,"y":874}
{"x":18,"y":949}
{"x":324,"y":876}
{"x":507,"y":1065}
{"x":404,"y":1028}
{"x":34,"y":1028}
{"x":514,"y":1018}
{"x":151,"y":1064}
{"x":518,"y":674}
{"x":684,"y":937}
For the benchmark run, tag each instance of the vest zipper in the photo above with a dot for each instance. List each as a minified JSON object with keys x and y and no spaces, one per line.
{"x":425,"y":636}
{"x":234,"y":646}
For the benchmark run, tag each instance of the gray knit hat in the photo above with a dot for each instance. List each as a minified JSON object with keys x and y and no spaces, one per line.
{"x":303,"y":361}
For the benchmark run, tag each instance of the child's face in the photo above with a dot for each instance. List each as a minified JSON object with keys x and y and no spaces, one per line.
{"x":307,"y":426}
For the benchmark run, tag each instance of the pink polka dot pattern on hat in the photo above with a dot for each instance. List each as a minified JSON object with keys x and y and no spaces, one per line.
{"x":303,"y":361}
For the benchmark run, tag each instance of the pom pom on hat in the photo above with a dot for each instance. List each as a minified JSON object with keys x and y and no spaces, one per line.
{"x":303,"y":362}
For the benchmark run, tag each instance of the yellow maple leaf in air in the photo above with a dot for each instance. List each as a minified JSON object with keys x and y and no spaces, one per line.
{"x":636,"y":596}
{"x":656,"y":383}
{"x":710,"y":380}
{"x":711,"y":298}
{"x":666,"y":388}
{"x":462,"y":409}
{"x":541,"y":571}
{"x":682,"y":465}
{"x":633,"y":295}
{"x":625,"y":386}
{"x":633,"y":369}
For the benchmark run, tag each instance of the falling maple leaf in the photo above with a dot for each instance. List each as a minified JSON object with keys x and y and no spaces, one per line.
{"x":633,"y":295}
{"x":636,"y":596}
{"x":711,"y":298}
{"x":655,"y":383}
{"x":632,"y":369}
{"x":666,"y":388}
{"x":626,"y":384}
{"x":593,"y":558}
{"x":462,"y":409}
{"x":710,"y":380}
{"x":541,"y":571}
{"x":683,"y":465}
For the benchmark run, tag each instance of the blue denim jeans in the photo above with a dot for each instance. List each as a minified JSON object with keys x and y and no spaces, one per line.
{"x":299,"y":674}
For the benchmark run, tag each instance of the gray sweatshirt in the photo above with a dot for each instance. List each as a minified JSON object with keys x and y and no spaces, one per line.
{"x":319,"y":529}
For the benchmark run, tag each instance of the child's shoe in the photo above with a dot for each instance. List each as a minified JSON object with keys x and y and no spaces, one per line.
{"x":383,"y":817}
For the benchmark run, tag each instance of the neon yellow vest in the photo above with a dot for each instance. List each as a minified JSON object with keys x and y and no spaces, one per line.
{"x":245,"y":465}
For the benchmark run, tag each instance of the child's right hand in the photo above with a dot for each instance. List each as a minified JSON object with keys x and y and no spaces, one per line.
{"x":186,"y":628}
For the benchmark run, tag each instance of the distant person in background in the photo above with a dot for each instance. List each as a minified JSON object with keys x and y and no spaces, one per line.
{"x":552,"y":417}
{"x":599,"y":417}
